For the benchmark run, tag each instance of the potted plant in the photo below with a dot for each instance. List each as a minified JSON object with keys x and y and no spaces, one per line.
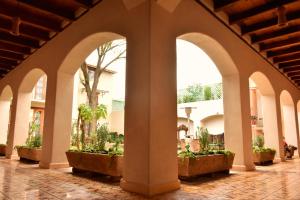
{"x":261,"y":154}
{"x":2,"y":149}
{"x":32,"y":149}
{"x":90,"y":152}
{"x":206,"y":161}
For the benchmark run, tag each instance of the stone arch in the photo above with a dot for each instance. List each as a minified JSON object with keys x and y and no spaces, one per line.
{"x":21,"y":110}
{"x":233,"y":126}
{"x":61,"y":120}
{"x":6,"y":97}
{"x":30,"y":79}
{"x":263,"y":106}
{"x":288,"y":118}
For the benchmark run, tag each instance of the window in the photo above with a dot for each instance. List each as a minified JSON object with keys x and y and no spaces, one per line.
{"x":91,"y":74}
{"x":39,"y":89}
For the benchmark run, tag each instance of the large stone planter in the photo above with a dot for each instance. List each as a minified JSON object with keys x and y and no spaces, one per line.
{"x":262,"y":158}
{"x":95,"y":162}
{"x":2,"y":150}
{"x":33,"y":154}
{"x":189,"y":167}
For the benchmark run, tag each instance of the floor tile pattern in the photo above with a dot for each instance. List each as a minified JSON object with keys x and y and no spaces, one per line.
{"x":26,"y":181}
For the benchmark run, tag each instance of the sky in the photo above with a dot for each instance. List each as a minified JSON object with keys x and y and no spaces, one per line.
{"x":193,"y":67}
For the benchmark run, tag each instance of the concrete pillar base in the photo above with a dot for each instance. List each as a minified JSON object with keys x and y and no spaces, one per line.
{"x":278,"y":160}
{"x":149,"y":190}
{"x":243,"y":168}
{"x":53,"y":165}
{"x":12,"y":157}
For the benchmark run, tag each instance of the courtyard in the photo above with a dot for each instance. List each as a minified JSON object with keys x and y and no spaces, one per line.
{"x":166,"y":99}
{"x":275,"y":182}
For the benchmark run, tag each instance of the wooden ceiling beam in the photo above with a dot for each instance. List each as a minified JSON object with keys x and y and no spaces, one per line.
{"x":13,"y":48}
{"x":281,"y":43}
{"x":284,"y":51}
{"x":9,"y":62}
{"x":6,"y":66}
{"x":268,"y":23}
{"x":29,"y":17}
{"x":19,"y":40}
{"x":47,"y":7}
{"x":291,"y":69}
{"x":295,"y":56}
{"x":289,"y":64}
{"x":238,"y":17}
{"x":292,"y":74}
{"x":220,"y":5}
{"x":11,"y":55}
{"x":85,"y":3}
{"x":25,"y":30}
{"x":4,"y":70}
{"x":295,"y":77}
{"x":275,"y":34}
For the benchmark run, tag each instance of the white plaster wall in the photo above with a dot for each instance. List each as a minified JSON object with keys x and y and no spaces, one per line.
{"x":289,"y":124}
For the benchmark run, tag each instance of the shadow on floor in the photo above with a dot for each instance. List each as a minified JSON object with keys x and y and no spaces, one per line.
{"x":202,"y":179}
{"x":97,"y":177}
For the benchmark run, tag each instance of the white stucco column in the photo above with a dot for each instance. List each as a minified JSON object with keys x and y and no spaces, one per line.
{"x":4,"y":116}
{"x":150,"y":165}
{"x":19,"y":122}
{"x":289,"y":128}
{"x":270,"y":126}
{"x":237,"y":128}
{"x":280,"y":126}
{"x":58,"y":120}
{"x":297,"y":127}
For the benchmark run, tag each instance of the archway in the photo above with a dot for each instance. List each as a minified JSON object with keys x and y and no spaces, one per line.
{"x":288,"y":118}
{"x":55,"y":143}
{"x":237,"y":137}
{"x":263,"y":110}
{"x":28,"y":111}
{"x":6,"y":97}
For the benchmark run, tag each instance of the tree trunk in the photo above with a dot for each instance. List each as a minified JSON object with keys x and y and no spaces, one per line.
{"x":93,"y":104}
{"x":77,"y":131}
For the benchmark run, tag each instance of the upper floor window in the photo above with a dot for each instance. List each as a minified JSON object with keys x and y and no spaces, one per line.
{"x":39,"y":89}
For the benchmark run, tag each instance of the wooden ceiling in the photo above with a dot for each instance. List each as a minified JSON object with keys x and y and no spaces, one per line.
{"x":40,"y":21}
{"x":256,"y":22}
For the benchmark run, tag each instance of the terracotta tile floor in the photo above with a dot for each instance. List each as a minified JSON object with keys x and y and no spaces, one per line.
{"x":24,"y":181}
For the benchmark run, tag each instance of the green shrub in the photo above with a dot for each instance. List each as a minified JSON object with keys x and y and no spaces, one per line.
{"x":203,"y":139}
{"x":34,"y":141}
{"x":259,"y":141}
{"x":258,"y":145}
{"x":187,"y":153}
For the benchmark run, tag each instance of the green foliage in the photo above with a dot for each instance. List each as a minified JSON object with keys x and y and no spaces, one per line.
{"x":203,"y":139}
{"x":187,"y":153}
{"x":258,"y":146}
{"x":34,"y":141}
{"x":101,"y":112}
{"x":207,"y":93}
{"x":257,"y":149}
{"x":259,"y":141}
{"x":102,"y":134}
{"x":192,"y":94}
{"x":85,"y":113}
{"x":197,"y":92}
{"x":34,"y":128}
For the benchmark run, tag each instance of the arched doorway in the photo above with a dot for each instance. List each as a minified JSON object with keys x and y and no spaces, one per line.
{"x":5,"y":106}
{"x":237,"y":137}
{"x":263,"y":111}
{"x":288,"y":118}
{"x":68,"y":84}
{"x":29,"y":108}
